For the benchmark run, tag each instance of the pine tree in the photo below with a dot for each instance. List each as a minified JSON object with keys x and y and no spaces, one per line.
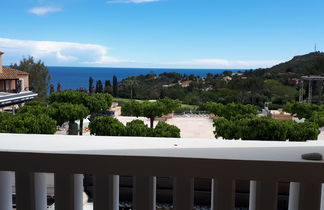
{"x":91,"y":87}
{"x":59,"y":87}
{"x":52,"y":89}
{"x":99,"y":87}
{"x":115,"y":86}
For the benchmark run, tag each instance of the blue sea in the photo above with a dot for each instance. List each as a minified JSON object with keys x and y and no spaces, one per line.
{"x":76,"y":77}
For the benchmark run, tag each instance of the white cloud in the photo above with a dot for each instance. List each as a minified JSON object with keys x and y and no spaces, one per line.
{"x":77,"y":54}
{"x":40,"y":11}
{"x":62,"y":53}
{"x":131,"y":1}
{"x":222,"y":63}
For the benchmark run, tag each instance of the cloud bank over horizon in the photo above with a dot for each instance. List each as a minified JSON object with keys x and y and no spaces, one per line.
{"x":55,"y":53}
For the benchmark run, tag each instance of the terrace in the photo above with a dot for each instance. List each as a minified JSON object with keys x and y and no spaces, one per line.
{"x":264,"y":164}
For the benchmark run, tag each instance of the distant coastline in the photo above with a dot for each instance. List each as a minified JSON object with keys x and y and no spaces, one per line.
{"x":76,"y":77}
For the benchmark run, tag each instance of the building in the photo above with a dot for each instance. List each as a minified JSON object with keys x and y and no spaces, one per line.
{"x":12,"y":80}
{"x":14,"y":87}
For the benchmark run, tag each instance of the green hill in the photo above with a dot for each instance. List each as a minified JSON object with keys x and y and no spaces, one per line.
{"x":309,"y":64}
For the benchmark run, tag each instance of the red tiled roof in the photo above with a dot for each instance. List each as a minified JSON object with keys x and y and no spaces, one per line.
{"x":10,"y":73}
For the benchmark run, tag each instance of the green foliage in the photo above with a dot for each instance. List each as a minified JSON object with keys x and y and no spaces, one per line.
{"x":279,"y":92}
{"x":302,"y":131}
{"x":264,"y":128}
{"x":302,"y":110}
{"x":27,"y":123}
{"x":230,"y":111}
{"x":39,"y":77}
{"x":91,"y":86}
{"x":106,"y":126}
{"x":99,"y":87}
{"x":170,"y":105}
{"x":36,"y":109}
{"x":138,"y":128}
{"x":95,"y":102}
{"x":317,"y":117}
{"x":163,"y":129}
{"x":150,"y":109}
{"x":115,"y":86}
{"x":132,"y":108}
{"x":66,"y":112}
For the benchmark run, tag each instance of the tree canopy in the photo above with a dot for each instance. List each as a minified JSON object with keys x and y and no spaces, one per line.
{"x":266,"y":129}
{"x":108,"y":126}
{"x":39,"y":77}
{"x":149,"y":109}
{"x":27,"y":123}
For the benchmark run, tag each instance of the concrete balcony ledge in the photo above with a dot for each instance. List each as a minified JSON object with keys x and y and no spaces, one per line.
{"x":263,"y":163}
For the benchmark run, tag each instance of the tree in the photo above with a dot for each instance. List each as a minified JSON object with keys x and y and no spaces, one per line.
{"x":163,"y":129}
{"x":149,"y":109}
{"x":59,"y":87}
{"x":39,"y":77}
{"x":108,"y":88}
{"x":91,"y":86}
{"x":132,"y":108}
{"x":52,"y":88}
{"x":115,"y":86}
{"x":303,"y":110}
{"x":264,"y":128}
{"x":27,"y":123}
{"x":99,"y":87}
{"x":131,"y":82}
{"x":106,"y":126}
{"x":66,"y":112}
{"x":138,"y":128}
{"x":230,"y":111}
{"x":94,"y":103}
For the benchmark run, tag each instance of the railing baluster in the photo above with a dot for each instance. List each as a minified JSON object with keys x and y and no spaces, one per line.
{"x":183,"y":193}
{"x":310,"y":196}
{"x":40,"y":191}
{"x":263,"y":195}
{"x":223,"y":194}
{"x":106,"y":192}
{"x":293,"y":195}
{"x":322,"y":197}
{"x":6,"y":181}
{"x":67,"y":195}
{"x":25,"y":190}
{"x":144,"y":193}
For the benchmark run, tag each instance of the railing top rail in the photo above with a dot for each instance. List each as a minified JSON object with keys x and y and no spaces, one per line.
{"x":250,"y":160}
{"x":160,"y":147}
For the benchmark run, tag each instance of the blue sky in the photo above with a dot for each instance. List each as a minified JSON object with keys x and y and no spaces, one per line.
{"x":160,"y":33}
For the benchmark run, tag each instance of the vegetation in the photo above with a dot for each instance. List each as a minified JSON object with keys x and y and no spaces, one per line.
{"x":230,"y":111}
{"x":163,"y":129}
{"x":115,"y":86}
{"x":237,"y":121}
{"x":108,"y":126}
{"x":93,"y":103}
{"x":264,"y":128}
{"x":27,"y":123}
{"x":138,"y":128}
{"x":149,"y":109}
{"x":38,"y":75}
{"x":91,"y":86}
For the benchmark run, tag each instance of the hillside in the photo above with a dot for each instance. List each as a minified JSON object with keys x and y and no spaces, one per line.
{"x":309,"y":64}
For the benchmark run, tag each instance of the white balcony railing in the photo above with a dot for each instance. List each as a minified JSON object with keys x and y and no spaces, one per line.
{"x":263,"y":163}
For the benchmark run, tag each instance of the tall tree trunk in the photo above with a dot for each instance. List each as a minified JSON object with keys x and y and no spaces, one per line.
{"x":81,"y":127}
{"x":151,"y":121}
